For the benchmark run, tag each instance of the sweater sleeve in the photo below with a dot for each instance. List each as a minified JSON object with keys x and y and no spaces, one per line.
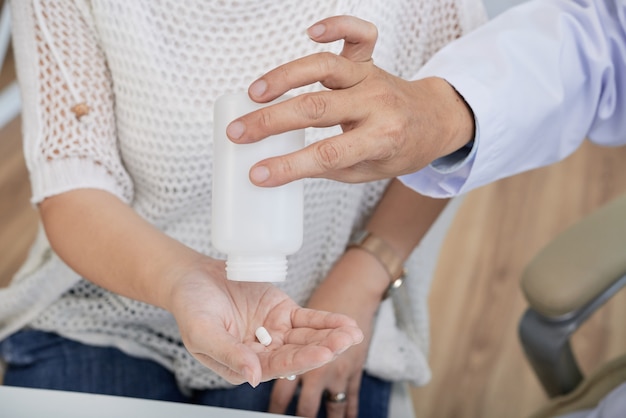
{"x":68,"y":119}
{"x":540,"y":79}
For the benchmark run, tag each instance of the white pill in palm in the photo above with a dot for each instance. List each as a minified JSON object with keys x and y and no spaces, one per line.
{"x":263,"y":336}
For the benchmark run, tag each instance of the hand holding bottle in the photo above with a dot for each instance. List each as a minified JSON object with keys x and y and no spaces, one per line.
{"x":391,"y":126}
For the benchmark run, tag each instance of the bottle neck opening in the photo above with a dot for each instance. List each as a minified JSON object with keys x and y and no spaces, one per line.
{"x":256,"y":268}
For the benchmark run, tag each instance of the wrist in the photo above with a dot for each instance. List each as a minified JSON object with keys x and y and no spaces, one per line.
{"x":386,"y":256}
{"x":466,"y":121}
{"x":182,"y":277}
{"x":458,"y":119}
{"x":354,"y":286}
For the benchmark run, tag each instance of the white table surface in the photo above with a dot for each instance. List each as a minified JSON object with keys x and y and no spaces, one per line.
{"x":35,"y":403}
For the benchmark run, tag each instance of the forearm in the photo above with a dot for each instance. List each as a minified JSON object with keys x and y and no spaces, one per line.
{"x":108,"y":243}
{"x":539,"y":79}
{"x":401,"y":219}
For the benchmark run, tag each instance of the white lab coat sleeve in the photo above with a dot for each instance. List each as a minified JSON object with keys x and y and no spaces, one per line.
{"x":540,"y":78}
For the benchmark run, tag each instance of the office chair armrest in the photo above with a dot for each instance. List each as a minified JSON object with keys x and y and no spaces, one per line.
{"x":579,"y":264}
{"x":564,"y":284}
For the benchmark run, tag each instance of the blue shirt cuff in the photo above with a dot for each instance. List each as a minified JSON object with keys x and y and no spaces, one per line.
{"x":456,"y":160}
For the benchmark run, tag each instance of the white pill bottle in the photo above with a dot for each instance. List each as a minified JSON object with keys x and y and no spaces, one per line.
{"x":256,"y":227}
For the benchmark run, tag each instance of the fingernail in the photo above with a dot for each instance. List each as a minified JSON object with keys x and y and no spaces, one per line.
{"x":341,"y":351}
{"x":259,"y":174}
{"x":258,"y":88}
{"x":249,"y":376}
{"x":235,"y":130}
{"x":316,"y":30}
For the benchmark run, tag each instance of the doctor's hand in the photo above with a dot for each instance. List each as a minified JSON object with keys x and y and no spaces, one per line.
{"x":390,"y":126}
{"x":218,"y":318}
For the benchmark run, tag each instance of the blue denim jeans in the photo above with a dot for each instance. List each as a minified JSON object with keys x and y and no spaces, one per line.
{"x":44,"y":360}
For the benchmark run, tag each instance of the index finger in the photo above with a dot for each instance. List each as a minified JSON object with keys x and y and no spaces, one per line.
{"x":327,"y":158}
{"x":223,"y":349}
{"x":313,"y":318}
{"x":319,"y":109}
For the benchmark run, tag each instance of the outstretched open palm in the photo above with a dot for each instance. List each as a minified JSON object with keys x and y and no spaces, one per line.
{"x":218,"y":319}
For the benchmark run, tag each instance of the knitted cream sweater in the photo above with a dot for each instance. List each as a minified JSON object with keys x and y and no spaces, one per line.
{"x":150,"y":71}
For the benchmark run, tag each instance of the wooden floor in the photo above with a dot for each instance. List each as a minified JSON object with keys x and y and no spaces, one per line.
{"x":478,"y":368}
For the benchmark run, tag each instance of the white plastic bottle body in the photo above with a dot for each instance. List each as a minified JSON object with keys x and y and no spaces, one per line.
{"x":256,"y":227}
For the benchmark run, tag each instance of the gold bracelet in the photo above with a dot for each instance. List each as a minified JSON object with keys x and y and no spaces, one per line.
{"x":385,"y":255}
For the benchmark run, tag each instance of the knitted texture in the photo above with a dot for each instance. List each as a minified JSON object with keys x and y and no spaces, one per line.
{"x":148,"y":71}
